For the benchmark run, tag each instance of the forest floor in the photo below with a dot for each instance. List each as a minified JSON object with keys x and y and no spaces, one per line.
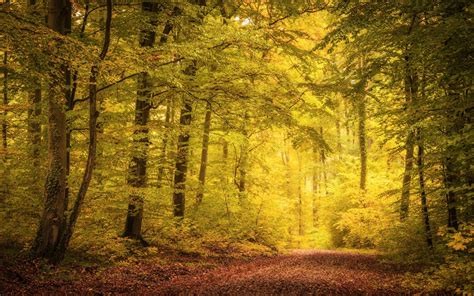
{"x":301,"y":272}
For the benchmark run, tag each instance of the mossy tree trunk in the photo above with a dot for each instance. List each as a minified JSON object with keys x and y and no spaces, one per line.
{"x":52,"y":222}
{"x":361,"y":108}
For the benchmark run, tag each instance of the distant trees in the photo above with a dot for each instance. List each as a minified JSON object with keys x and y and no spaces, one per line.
{"x":424,"y":35}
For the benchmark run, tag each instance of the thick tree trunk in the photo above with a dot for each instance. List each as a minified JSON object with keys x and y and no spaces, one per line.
{"x":362,"y":143}
{"x":138,"y":165}
{"x":204,"y":153}
{"x":424,"y":205}
{"x":52,"y":223}
{"x":181,"y":166}
{"x":52,"y":220}
{"x":91,"y":155}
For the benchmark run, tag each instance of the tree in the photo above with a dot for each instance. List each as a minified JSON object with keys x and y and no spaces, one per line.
{"x":138,"y":166}
{"x":204,"y":153}
{"x":52,"y":223}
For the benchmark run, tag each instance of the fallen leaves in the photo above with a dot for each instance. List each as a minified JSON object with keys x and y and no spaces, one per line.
{"x":299,"y":273}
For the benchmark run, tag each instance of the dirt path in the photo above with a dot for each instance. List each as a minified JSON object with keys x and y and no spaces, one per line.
{"x":299,"y":273}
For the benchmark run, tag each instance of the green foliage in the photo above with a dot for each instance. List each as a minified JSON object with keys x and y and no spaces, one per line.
{"x":455,"y":273}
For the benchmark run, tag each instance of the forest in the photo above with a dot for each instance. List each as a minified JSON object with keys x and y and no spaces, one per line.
{"x":236,"y":147}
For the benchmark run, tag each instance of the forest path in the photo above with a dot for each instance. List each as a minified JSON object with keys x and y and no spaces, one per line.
{"x":314,"y":272}
{"x":303,"y":272}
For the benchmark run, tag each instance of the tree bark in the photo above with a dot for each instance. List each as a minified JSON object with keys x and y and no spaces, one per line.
{"x":34,"y":127}
{"x":338,"y":133}
{"x":181,"y":165}
{"x":243,"y":159}
{"x":300,"y":198}
{"x":285,"y":157}
{"x":138,"y":164}
{"x":4,"y":184}
{"x":52,"y":223}
{"x":5,"y":103}
{"x":411,"y":89}
{"x":424,"y":205}
{"x":225,"y":150}
{"x":450,"y":179}
{"x":204,"y":153}
{"x":316,"y":186}
{"x":91,"y":155}
{"x":34,"y":124}
{"x":362,"y":143}
{"x":405,"y":199}
{"x":322,"y":153}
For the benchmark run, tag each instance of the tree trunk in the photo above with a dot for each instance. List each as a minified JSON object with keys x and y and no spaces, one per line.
{"x":316,"y":186}
{"x":5,"y":103}
{"x":405,"y":199}
{"x":243,"y":159}
{"x":34,"y":124}
{"x":322,"y":153}
{"x":450,"y":178}
{"x":285,"y":156}
{"x":138,"y":164}
{"x":91,"y":155}
{"x":300,"y":198}
{"x":181,"y":166}
{"x":5,"y":189}
{"x":411,"y":89}
{"x":424,"y":205}
{"x":338,"y":132}
{"x":204,"y":153}
{"x":52,"y":223}
{"x":362,"y":143}
{"x":225,"y":150}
